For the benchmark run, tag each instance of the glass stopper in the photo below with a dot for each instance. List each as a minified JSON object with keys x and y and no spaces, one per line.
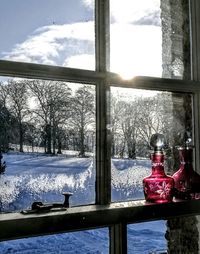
{"x":158,"y":142}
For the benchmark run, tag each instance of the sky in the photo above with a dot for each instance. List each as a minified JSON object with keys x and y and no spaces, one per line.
{"x":20,"y":18}
{"x":61,"y":32}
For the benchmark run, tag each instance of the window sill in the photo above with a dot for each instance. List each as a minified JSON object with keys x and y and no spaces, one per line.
{"x":17,"y":225}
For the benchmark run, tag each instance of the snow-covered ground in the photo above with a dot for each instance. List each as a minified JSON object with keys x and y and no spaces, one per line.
{"x":34,"y":176}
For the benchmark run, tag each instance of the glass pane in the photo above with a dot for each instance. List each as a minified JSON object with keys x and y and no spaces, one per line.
{"x":47,"y":140}
{"x":135,"y":116}
{"x":147,"y":238}
{"x":90,"y":241}
{"x":149,"y":38}
{"x":53,"y":32}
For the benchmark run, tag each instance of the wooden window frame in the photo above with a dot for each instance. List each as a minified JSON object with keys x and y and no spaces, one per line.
{"x":103,"y":213}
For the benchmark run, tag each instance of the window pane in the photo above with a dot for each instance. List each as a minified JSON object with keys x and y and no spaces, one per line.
{"x":135,"y":116}
{"x":47,"y":138}
{"x":90,"y":241}
{"x":150,"y":38}
{"x":147,"y":238}
{"x":55,"y":32}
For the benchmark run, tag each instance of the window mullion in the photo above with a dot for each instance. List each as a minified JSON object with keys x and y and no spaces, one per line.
{"x":195,"y":38}
{"x":103,"y":171}
{"x":195,"y":64}
{"x":196,"y":113}
{"x":102,"y":35}
{"x":103,"y":168}
{"x":118,"y":239}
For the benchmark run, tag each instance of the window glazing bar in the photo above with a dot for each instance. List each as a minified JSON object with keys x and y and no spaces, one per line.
{"x":102,"y":35}
{"x":103,"y":168}
{"x":195,"y":38}
{"x":118,"y":239}
{"x":196,"y":129}
{"x":29,"y":70}
{"x":152,"y":83}
{"x":41,"y":71}
{"x":103,"y":163}
{"x":195,"y":71}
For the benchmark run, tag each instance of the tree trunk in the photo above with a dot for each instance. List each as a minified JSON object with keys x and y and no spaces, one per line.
{"x":112,"y":144}
{"x":131,"y":143}
{"x":21,"y":137}
{"x":82,"y":146}
{"x":122,"y":149}
{"x":54,"y":140}
{"x":48,"y":134}
{"x":131,"y":150}
{"x":59,"y":145}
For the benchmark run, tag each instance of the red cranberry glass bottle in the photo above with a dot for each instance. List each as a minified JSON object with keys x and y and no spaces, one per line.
{"x":187,"y":181}
{"x":158,"y":187}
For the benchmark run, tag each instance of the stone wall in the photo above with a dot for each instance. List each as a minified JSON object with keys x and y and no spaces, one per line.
{"x":182,"y":233}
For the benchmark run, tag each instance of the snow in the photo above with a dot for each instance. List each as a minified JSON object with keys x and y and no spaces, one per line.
{"x":127,"y":178}
{"x":37,"y":177}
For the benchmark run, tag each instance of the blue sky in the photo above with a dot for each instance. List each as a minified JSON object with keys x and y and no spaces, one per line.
{"x":19,"y":18}
{"x":61,"y":32}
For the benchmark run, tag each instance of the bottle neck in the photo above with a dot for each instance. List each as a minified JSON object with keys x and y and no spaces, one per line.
{"x":157,"y":162}
{"x":186,"y":156}
{"x":158,"y":170}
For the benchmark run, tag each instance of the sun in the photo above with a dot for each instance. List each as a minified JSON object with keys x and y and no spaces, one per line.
{"x":136,"y":50}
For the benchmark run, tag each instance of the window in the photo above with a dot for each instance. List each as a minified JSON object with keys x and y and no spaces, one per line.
{"x":48,"y":142}
{"x":101,"y":209}
{"x":78,"y":242}
{"x":150,"y":40}
{"x":129,"y":35}
{"x":136,"y":114}
{"x":55,"y":33}
{"x":153,"y":234}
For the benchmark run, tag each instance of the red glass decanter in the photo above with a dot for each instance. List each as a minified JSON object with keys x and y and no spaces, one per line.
{"x":187,"y":181}
{"x":158,"y":187}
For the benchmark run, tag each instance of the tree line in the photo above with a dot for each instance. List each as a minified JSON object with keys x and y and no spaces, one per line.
{"x":55,"y":116}
{"x":134,"y":120}
{"x":47,"y":114}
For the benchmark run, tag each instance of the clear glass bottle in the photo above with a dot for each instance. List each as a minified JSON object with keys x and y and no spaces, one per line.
{"x":158,"y":187}
{"x":187,"y":181}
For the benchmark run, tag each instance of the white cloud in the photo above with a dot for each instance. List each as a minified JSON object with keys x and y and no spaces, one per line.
{"x":84,"y":61}
{"x":47,"y":44}
{"x":89,"y":4}
{"x":135,"y":50}
{"x":128,"y":11}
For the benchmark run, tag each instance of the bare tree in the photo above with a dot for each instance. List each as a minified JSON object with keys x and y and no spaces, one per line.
{"x":148,"y":118}
{"x":17,"y":104}
{"x":5,"y":118}
{"x":124,"y":119}
{"x":128,"y":120}
{"x":83,"y":114}
{"x":3,"y":93}
{"x":117,"y":141}
{"x":135,"y":119}
{"x":52,"y":100}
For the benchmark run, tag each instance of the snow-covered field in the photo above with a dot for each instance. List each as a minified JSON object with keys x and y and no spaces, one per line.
{"x":33,"y":176}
